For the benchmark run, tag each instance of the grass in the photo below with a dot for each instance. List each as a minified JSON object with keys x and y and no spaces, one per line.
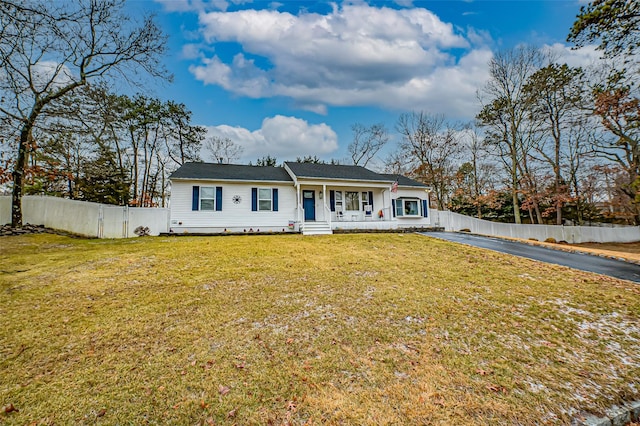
{"x":344,"y":329}
{"x":630,"y":251}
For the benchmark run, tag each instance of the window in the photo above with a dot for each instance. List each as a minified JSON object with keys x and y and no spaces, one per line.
{"x":207,"y":198}
{"x":365,"y":200}
{"x":264,"y":199}
{"x":352,"y":200}
{"x":339,"y":206}
{"x":411,"y":208}
{"x":407,"y":207}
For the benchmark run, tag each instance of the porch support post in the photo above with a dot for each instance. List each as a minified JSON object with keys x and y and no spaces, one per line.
{"x":325,"y":210}
{"x":387,"y":214}
{"x":299,"y":207}
{"x":324,"y":196}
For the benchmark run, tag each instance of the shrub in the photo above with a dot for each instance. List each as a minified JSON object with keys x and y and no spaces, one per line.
{"x":142,"y":231}
{"x":465,"y":230}
{"x":550,"y":240}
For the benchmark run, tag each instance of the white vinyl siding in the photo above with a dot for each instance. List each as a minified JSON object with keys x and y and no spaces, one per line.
{"x":236,"y":214}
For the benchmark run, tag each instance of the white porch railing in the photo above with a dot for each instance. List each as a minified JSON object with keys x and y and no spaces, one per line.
{"x":361,"y":216}
{"x":327,"y":214}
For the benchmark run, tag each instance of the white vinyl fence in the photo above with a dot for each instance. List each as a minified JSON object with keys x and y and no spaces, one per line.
{"x":105,"y":221}
{"x":572,"y":234}
{"x":88,"y":219}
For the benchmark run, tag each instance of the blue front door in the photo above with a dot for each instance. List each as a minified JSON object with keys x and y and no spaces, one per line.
{"x":309,"y":205}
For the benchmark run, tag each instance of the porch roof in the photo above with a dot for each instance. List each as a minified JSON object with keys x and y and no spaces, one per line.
{"x":335,"y":172}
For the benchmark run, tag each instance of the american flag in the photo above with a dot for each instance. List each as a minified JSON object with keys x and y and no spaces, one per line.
{"x":394,"y":187}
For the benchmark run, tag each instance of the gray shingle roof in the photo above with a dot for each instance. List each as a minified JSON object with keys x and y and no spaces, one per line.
{"x":235,"y":172}
{"x":213,"y":171}
{"x":333,"y":171}
{"x":405,"y":181}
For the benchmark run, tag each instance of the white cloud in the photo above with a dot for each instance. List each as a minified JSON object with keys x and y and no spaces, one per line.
{"x":584,"y":57}
{"x":51,"y":75}
{"x":191,"y":51}
{"x":355,"y":55}
{"x":281,"y":137}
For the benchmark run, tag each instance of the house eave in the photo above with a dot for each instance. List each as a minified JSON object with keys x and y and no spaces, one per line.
{"x":280,"y":182}
{"x":301,"y":179}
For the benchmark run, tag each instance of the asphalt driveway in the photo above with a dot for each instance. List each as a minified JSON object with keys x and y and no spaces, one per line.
{"x":585,"y":262}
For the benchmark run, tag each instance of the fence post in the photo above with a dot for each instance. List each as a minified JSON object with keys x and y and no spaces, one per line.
{"x":125,"y":222}
{"x":100,"y":221}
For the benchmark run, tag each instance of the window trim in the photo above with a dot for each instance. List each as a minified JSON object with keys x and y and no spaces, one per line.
{"x":270,"y":199}
{"x":201,"y":199}
{"x":364,"y":203}
{"x":400,"y":207}
{"x":339,"y":201}
{"x":255,"y":199}
{"x":357,"y":201}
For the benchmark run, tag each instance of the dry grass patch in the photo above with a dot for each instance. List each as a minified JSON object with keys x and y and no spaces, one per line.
{"x":344,"y":329}
{"x":630,"y":251}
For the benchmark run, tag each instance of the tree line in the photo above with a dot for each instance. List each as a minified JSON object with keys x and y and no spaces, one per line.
{"x":551,"y":142}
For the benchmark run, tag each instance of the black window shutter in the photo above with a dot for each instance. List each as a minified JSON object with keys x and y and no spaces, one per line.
{"x":393,"y":207}
{"x":195,"y":198}
{"x":332,"y":200}
{"x":275,"y":199}
{"x":425,"y":210}
{"x":371,"y":199}
{"x":254,"y":199}
{"x":218,"y":198}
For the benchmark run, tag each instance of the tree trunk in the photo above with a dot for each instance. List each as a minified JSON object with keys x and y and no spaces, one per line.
{"x":558,"y":200}
{"x":514,"y":190}
{"x":18,"y":175}
{"x":536,"y":207}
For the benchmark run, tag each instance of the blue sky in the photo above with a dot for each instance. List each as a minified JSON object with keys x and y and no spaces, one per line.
{"x":290,"y":78}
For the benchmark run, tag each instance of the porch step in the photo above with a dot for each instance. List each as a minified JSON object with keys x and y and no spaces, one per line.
{"x":316,"y":228}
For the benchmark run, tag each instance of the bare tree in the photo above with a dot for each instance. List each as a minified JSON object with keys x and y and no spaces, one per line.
{"x":505,"y":111}
{"x":431,"y":147}
{"x":48,"y":52}
{"x":223,"y":150}
{"x":367,"y":141}
{"x":397,"y":163}
{"x":555,"y":93}
{"x":476,"y":178}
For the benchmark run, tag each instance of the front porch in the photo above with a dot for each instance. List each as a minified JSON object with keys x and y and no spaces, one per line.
{"x":323,"y":208}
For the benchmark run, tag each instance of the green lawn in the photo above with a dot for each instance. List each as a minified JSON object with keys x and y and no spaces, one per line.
{"x":344,"y":329}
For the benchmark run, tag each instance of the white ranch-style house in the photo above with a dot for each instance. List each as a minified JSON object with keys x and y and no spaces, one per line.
{"x":297,"y":197}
